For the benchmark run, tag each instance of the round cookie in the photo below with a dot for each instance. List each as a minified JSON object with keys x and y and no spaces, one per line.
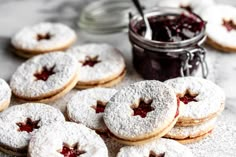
{"x":5,"y":95}
{"x":203,"y":99}
{"x":190,"y":5}
{"x":45,"y":78}
{"x":67,"y":139}
{"x":141,"y":112}
{"x":18,"y":123}
{"x":221,"y":27}
{"x":158,"y":148}
{"x":42,"y":38}
{"x":191,"y":134}
{"x":101,"y":65}
{"x":87,"y":107}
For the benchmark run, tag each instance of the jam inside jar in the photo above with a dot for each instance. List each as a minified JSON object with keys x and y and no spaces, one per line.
{"x":175,"y":49}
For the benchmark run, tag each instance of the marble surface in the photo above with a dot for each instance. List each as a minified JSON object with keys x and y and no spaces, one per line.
{"x":15,"y":14}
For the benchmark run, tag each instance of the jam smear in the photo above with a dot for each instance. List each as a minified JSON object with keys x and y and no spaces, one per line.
{"x":152,"y":154}
{"x":172,"y":27}
{"x":46,"y":36}
{"x":71,"y":152}
{"x":45,"y":73}
{"x":143,"y":108}
{"x":29,"y":125}
{"x":100,"y":107}
{"x":188,"y":98}
{"x":186,"y":7}
{"x":229,"y":25}
{"x":90,"y":61}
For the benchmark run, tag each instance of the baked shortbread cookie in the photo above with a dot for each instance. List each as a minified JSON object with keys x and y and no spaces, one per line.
{"x":42,"y":38}
{"x":18,"y":123}
{"x":66,"y":139}
{"x":203,"y":99}
{"x":87,"y":107}
{"x":191,"y":134}
{"x":141,"y":112}
{"x":5,"y":95}
{"x":158,"y":148}
{"x":221,"y":27}
{"x":101,"y":65}
{"x":45,"y":78}
{"x":190,"y":5}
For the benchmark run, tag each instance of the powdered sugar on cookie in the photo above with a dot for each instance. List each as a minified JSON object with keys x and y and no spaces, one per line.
{"x":5,"y":92}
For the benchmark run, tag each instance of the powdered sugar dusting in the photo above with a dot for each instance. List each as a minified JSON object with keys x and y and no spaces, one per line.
{"x":111,"y":62}
{"x":69,"y":134}
{"x":26,"y":39}
{"x":5,"y":92}
{"x":24,"y":83}
{"x":210,"y":97}
{"x":118,"y":113}
{"x":171,"y":148}
{"x":9,"y":134}
{"x":81,"y":107}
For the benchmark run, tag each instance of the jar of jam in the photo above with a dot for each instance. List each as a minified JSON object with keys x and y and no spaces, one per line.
{"x":175,"y":49}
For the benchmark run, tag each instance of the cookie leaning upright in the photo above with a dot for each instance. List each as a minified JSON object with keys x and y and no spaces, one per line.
{"x":221,"y":27}
{"x":5,"y":95}
{"x":101,"y":65}
{"x":66,"y":139}
{"x":42,"y":38}
{"x":45,"y":77}
{"x":141,"y":112}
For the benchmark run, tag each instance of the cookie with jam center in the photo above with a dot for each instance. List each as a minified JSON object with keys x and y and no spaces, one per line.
{"x":141,"y":112}
{"x":42,"y":38}
{"x":18,"y":123}
{"x":45,"y":78}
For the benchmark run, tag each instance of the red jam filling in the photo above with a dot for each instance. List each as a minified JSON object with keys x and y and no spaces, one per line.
{"x":186,"y":7}
{"x":28,"y":125}
{"x":45,"y":73}
{"x":173,"y":27}
{"x":143,"y":108}
{"x":152,"y":154}
{"x":188,"y":98}
{"x":71,"y":152}
{"x":100,"y":107}
{"x":90,"y":61}
{"x":229,"y":25}
{"x":46,"y":36}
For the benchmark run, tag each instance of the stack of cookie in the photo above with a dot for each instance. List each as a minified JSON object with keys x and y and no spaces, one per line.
{"x":203,"y":101}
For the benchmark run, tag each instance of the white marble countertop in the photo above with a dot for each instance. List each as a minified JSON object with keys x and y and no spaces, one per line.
{"x":15,"y":14}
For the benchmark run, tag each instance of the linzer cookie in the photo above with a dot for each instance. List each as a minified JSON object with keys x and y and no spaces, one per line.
{"x":18,"y":123}
{"x":87,"y":107}
{"x":141,"y":112}
{"x":191,"y":134}
{"x":101,"y":65}
{"x":42,"y":38}
{"x":66,"y":139}
{"x":203,"y":99}
{"x":158,"y":148}
{"x":5,"y":94}
{"x":221,"y":27}
{"x":45,"y":78}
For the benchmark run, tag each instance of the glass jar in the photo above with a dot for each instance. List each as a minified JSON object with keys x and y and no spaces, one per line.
{"x":164,"y":60}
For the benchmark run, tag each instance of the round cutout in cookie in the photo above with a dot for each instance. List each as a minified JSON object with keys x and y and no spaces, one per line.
{"x":45,"y":78}
{"x":87,"y":107}
{"x":141,"y":112}
{"x":67,"y":139}
{"x":101,"y":65}
{"x":190,"y":5}
{"x":42,"y":38}
{"x":221,"y":27}
{"x":18,"y":123}
{"x":203,"y":99}
{"x":158,"y":148}
{"x":5,"y":95}
{"x":191,"y":134}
